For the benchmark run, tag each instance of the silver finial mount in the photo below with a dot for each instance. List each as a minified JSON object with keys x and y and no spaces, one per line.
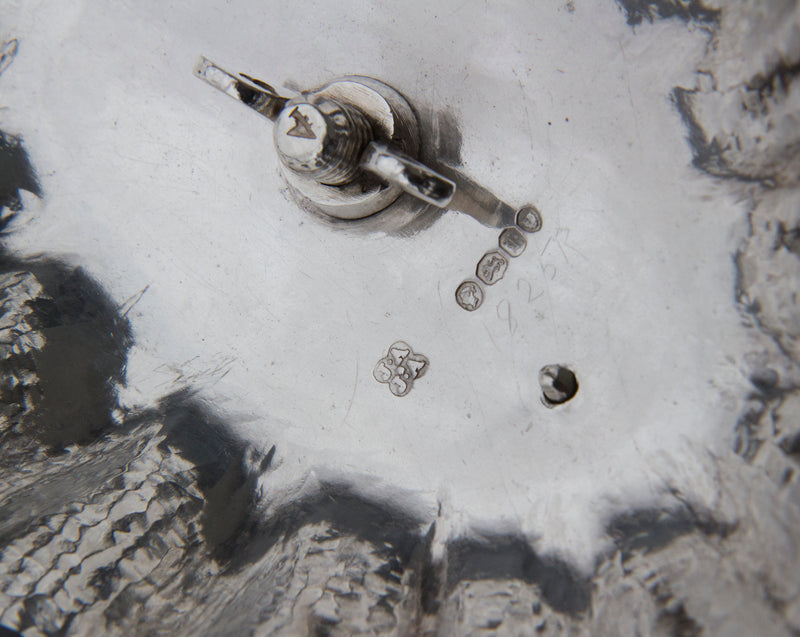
{"x":349,"y":147}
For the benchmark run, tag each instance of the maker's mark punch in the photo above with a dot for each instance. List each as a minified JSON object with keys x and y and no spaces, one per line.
{"x":400,"y":368}
{"x":302,"y":127}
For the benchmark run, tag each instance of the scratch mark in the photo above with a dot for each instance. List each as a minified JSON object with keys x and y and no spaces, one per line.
{"x":546,"y":245}
{"x":566,"y":243}
{"x":561,"y":247}
{"x":130,"y":302}
{"x":630,"y":94}
{"x":491,"y":338}
{"x":7,"y":54}
{"x":352,"y":397}
{"x":553,"y":321}
{"x":525,"y":106}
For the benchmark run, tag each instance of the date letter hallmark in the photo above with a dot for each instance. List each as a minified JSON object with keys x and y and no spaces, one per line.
{"x":400,"y":368}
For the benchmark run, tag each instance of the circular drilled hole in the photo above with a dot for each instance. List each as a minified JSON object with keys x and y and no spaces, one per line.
{"x":558,"y":383}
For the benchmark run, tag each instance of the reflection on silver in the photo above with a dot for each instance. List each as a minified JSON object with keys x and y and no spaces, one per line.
{"x":412,"y":176}
{"x":259,"y":96}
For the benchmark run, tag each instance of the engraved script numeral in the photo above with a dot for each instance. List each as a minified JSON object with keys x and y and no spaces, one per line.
{"x":504,"y":314}
{"x":524,"y":283}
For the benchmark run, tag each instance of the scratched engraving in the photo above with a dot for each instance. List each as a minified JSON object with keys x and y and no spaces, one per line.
{"x":529,"y":219}
{"x":469,"y":295}
{"x":8,"y":50}
{"x":504,"y":314}
{"x":400,"y":368}
{"x":492,"y":267}
{"x":302,"y":127}
{"x":513,"y":242}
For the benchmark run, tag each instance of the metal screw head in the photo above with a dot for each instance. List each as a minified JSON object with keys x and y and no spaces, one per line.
{"x":321,"y":138}
{"x":383,"y":116}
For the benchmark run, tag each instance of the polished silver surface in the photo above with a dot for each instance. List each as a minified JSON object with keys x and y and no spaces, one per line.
{"x":195,"y":438}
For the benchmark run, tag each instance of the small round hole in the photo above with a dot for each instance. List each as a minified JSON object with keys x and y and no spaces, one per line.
{"x":558,"y":384}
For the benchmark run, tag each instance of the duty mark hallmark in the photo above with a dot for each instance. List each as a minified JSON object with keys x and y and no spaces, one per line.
{"x":469,"y":295}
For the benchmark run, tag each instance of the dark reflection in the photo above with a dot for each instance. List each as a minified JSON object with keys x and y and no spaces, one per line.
{"x":478,"y":202}
{"x":650,"y":530}
{"x":200,"y":436}
{"x":227,"y":467}
{"x":504,"y":557}
{"x":16,"y":173}
{"x":687,"y":10}
{"x":395,"y":534}
{"x":85,"y":339}
{"x":83,"y":358}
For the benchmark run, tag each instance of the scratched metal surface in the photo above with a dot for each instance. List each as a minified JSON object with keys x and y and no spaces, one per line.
{"x":190,"y":406}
